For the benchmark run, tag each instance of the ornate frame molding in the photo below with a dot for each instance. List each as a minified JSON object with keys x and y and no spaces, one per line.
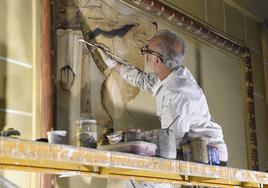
{"x":202,"y":31}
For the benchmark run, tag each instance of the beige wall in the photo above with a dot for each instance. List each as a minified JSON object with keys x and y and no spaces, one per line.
{"x":19,"y":74}
{"x":231,"y":19}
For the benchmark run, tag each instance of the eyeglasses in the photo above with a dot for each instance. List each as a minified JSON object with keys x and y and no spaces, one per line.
{"x":146,"y":50}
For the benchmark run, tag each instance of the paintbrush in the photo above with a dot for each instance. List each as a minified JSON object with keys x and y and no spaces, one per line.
{"x":105,"y":50}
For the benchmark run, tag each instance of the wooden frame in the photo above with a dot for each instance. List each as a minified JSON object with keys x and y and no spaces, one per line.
{"x":46,"y":78}
{"x":203,"y":32}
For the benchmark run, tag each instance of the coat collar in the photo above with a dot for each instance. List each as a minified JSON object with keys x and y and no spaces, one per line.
{"x":161,"y":83}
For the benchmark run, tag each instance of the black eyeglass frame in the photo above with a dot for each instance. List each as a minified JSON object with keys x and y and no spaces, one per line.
{"x":146,"y":50}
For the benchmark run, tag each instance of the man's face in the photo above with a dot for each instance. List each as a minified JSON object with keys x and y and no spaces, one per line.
{"x":150,"y":58}
{"x":148,"y":65}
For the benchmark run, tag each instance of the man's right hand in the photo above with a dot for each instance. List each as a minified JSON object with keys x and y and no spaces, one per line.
{"x":109,"y":61}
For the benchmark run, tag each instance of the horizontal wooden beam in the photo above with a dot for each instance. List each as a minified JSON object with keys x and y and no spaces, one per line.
{"x":16,"y":154}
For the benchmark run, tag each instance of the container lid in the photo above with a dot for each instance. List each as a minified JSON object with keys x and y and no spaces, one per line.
{"x":133,"y":130}
{"x":91,"y":121}
{"x":84,"y":136}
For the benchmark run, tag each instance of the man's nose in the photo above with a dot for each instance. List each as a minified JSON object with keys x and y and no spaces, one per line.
{"x":146,"y":58}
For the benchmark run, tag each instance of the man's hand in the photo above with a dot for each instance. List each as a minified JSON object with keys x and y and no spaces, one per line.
{"x":109,"y":61}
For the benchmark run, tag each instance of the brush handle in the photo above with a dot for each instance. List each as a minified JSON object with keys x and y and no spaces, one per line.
{"x":105,"y":50}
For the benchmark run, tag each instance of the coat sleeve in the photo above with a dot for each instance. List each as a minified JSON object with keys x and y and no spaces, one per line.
{"x":138,"y":78}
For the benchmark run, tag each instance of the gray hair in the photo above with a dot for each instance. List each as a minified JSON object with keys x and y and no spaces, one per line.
{"x":172,"y":47}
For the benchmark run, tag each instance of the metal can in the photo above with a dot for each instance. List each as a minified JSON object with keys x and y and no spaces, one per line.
{"x":166,"y":144}
{"x":199,"y":150}
{"x":132,"y":135}
{"x":186,"y":152}
{"x":213,"y":155}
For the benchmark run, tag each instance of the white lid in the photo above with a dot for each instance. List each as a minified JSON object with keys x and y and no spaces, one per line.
{"x":91,"y":121}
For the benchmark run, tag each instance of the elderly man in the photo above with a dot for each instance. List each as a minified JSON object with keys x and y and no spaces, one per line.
{"x":181,"y":103}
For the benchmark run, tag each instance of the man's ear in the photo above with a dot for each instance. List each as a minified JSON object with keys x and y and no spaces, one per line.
{"x":158,"y":60}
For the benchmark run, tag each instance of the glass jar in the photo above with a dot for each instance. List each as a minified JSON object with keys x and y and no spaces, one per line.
{"x":86,"y":133}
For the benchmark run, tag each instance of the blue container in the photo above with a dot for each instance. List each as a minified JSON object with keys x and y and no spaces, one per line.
{"x":213,"y":155}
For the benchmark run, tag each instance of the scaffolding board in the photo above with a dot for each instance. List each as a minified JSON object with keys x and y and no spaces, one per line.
{"x":24,"y":155}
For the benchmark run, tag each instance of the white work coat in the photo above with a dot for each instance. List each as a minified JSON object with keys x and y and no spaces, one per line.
{"x":181,"y":104}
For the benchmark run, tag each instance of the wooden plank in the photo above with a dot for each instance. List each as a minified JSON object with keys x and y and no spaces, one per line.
{"x":46,"y":164}
{"x":62,"y":159}
{"x":140,"y":173}
{"x":213,"y":180}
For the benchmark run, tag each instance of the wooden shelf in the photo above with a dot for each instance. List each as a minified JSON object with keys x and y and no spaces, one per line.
{"x":24,"y":155}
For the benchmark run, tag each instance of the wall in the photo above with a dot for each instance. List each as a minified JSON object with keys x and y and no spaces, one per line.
{"x":242,"y":27}
{"x":19,"y":74}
